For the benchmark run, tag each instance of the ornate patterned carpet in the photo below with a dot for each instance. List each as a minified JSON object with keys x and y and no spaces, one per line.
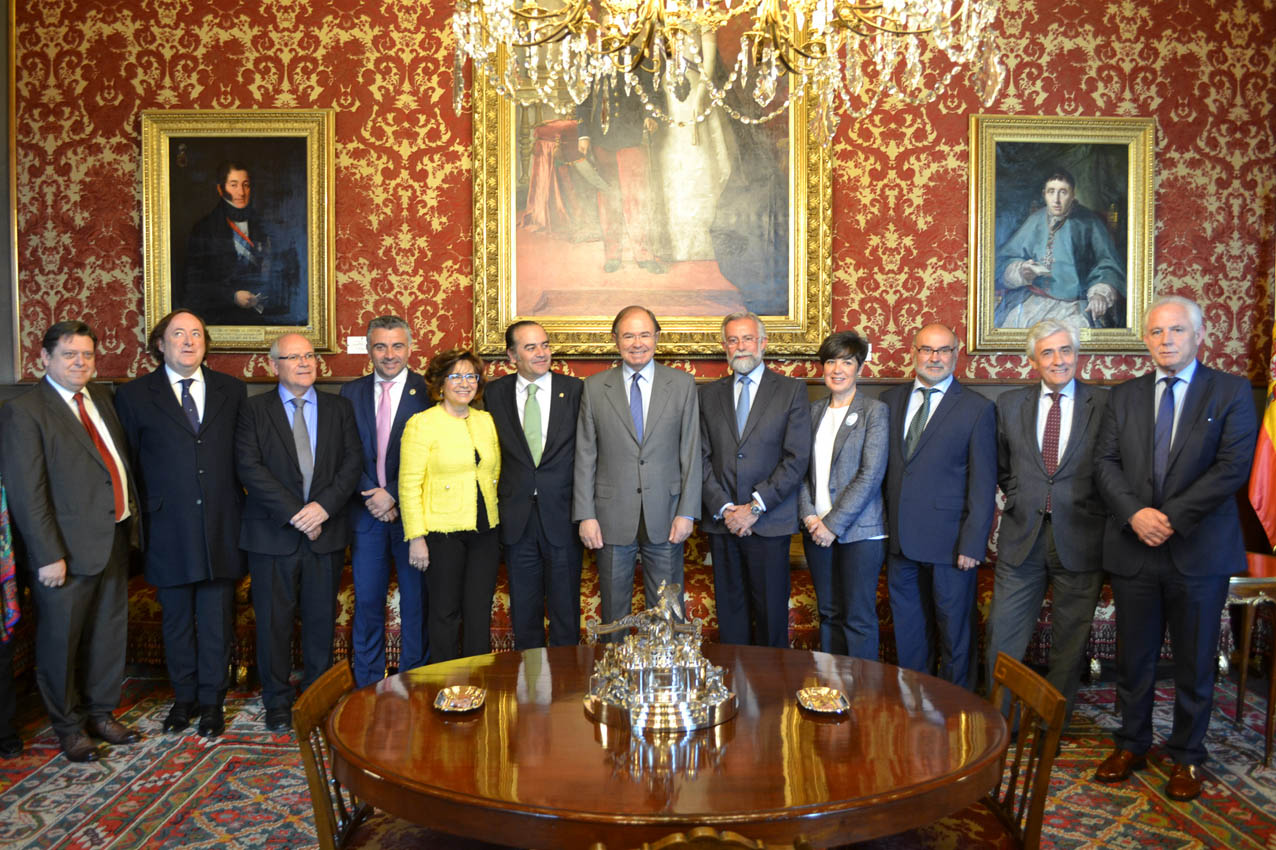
{"x":247,"y":789}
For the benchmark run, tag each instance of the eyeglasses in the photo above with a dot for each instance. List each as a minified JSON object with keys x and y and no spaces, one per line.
{"x":297,"y":358}
{"x":467,"y":377}
{"x":943,"y":351}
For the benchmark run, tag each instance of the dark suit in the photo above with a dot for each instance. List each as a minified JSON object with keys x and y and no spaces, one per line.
{"x":1183,"y":582}
{"x":215,"y":270}
{"x":635,"y":490}
{"x":751,"y":574}
{"x":1062,"y":547}
{"x":62,"y":501}
{"x":377,"y":543}
{"x":542,"y":547}
{"x":286,"y":567}
{"x":939,"y":504}
{"x":190,"y":504}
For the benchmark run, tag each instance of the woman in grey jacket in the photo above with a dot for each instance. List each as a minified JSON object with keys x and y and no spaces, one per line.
{"x":840,"y":502}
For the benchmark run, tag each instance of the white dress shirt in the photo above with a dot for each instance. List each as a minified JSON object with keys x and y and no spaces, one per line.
{"x":1180,"y":394}
{"x":915,"y":401}
{"x":197,"y":388}
{"x":544,"y":396}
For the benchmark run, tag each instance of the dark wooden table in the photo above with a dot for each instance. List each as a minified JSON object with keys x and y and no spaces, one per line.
{"x":530,"y":769}
{"x":1256,"y":586}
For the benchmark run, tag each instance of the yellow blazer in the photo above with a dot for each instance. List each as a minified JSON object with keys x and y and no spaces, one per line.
{"x":437,"y":471}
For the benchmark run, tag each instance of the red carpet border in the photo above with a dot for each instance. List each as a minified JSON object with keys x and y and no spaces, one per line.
{"x":247,"y":789}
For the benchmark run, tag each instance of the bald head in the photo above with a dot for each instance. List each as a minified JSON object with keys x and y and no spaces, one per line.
{"x":934,"y":354}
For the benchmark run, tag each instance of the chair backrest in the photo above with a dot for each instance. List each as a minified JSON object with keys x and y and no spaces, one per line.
{"x":706,"y":838}
{"x":336,"y":810}
{"x":1036,"y":711}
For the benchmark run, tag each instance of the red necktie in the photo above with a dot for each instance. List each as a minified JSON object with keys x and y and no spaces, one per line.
{"x":117,"y":485}
{"x":1050,"y":441}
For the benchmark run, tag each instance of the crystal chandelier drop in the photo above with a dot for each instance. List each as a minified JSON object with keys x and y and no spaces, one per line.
{"x":845,"y":56}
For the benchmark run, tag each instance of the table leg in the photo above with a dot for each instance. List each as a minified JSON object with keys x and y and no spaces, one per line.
{"x":1247,"y":634}
{"x":1271,"y":698}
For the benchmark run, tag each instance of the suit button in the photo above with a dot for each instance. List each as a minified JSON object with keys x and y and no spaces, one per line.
{"x":739,"y":454}
{"x":199,"y":501}
{"x":201,"y":472}
{"x":639,"y":489}
{"x":642,"y":463}
{"x":447,"y":486}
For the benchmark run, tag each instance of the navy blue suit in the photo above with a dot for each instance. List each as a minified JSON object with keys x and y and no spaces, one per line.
{"x":377,"y":543}
{"x":939,"y":504}
{"x":542,"y":546}
{"x":191,"y":502}
{"x":1183,"y":582}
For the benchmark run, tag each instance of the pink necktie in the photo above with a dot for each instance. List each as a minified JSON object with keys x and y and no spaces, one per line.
{"x":383,"y":430}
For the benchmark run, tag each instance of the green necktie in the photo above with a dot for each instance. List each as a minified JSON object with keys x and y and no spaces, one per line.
{"x":532,"y":423}
{"x":915,"y":428}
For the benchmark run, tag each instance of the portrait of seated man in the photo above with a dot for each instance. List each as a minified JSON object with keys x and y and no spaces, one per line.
{"x":1062,"y":264}
{"x":240,"y":270}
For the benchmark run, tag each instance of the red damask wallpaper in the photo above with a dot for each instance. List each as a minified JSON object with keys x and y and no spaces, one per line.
{"x":86,"y":68}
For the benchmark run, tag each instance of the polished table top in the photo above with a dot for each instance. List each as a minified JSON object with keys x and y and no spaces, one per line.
{"x":530,"y":769}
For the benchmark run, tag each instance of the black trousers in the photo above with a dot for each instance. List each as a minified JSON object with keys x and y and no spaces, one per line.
{"x":80,"y":636}
{"x":8,"y":691}
{"x":543,"y":576}
{"x":197,"y":622}
{"x":462,"y":582}
{"x":281,"y":584}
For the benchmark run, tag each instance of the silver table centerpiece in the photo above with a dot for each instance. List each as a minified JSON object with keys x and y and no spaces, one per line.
{"x":657,"y":678}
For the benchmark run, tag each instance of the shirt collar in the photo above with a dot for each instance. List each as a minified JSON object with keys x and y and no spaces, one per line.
{"x":542,"y":383}
{"x":1069,"y":389}
{"x":174,"y":377}
{"x":647,"y":371}
{"x":286,"y":396}
{"x":67,"y":395}
{"x":400,"y":379}
{"x":1185,"y":374}
{"x":942,"y":386}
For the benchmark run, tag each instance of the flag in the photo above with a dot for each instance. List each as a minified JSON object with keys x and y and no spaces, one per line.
{"x":1262,"y":475}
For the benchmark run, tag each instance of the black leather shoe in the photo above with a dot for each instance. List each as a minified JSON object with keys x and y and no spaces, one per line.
{"x":112,"y":731}
{"x":78,"y":747}
{"x":212,"y":721}
{"x":278,"y":719}
{"x":10,"y":747}
{"x":180,"y":715}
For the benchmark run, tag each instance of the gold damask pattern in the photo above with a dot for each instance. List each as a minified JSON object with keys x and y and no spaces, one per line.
{"x":84,"y":71}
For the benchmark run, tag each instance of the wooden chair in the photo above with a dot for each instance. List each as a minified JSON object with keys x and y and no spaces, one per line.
{"x":707,"y":838}
{"x":342,"y":820}
{"x":337,"y":812}
{"x":1037,"y":711}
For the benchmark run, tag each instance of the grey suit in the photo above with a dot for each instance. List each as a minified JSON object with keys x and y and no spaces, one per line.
{"x":845,"y":575}
{"x":62,"y":502}
{"x":636,"y":490}
{"x":1062,"y":546}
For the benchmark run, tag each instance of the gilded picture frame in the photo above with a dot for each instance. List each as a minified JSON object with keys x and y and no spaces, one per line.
{"x":1061,"y":226}
{"x":578,"y":308}
{"x":237,"y":222}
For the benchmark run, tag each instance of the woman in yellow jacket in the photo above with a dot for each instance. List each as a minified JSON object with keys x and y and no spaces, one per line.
{"x":449,"y":463}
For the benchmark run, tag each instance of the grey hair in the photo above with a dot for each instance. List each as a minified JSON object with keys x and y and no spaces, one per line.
{"x":274,"y":349}
{"x":1050,"y":327}
{"x":743,"y":314}
{"x":1193,"y":311}
{"x":388,"y":323}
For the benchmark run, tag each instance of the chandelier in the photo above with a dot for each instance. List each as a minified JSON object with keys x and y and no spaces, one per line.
{"x":845,"y":56}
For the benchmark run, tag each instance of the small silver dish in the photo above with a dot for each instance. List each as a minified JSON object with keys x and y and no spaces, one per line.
{"x":460,"y":698}
{"x":823,"y":700}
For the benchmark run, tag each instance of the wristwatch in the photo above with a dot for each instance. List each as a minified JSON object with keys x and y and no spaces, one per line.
{"x":755,"y":508}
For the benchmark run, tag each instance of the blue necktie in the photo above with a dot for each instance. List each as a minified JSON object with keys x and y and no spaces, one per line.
{"x":635,"y":406}
{"x":1163,"y":434}
{"x":742,"y":406}
{"x":188,"y":404}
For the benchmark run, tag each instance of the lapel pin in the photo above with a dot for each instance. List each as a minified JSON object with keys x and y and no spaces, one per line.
{"x":852,"y":419}
{"x":561,"y":395}
{"x":412,"y":391}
